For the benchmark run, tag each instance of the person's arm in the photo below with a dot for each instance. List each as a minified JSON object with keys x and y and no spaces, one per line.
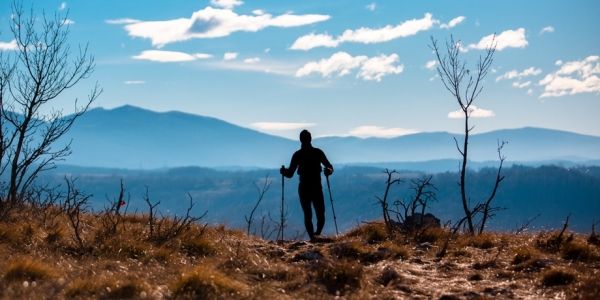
{"x":328,"y":167}
{"x":289,"y":172}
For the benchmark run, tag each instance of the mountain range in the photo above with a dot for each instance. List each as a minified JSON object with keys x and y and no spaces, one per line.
{"x":134,"y":138}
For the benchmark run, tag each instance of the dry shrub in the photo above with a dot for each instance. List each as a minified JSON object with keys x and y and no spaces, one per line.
{"x":534,"y":264}
{"x":207,"y":283}
{"x":397,"y":251}
{"x":431,"y":235}
{"x":55,"y":236}
{"x":161,"y":255}
{"x":28,"y":270}
{"x":481,"y":241}
{"x":578,"y":252}
{"x":522,"y":254}
{"x":115,"y":287}
{"x":372,"y":232}
{"x":552,"y":243}
{"x":557,"y":277}
{"x":10,"y":233}
{"x":353,"y":249}
{"x":123,"y":248}
{"x":339,"y":277}
{"x":83,"y":288}
{"x":388,"y":251}
{"x":198,"y":246}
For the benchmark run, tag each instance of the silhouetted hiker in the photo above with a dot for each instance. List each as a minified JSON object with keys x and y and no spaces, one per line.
{"x":308,"y":161}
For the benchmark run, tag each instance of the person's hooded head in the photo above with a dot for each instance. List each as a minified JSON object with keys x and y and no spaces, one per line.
{"x":305,"y":137}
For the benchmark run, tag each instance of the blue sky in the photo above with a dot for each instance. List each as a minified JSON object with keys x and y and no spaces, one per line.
{"x":360,"y":68}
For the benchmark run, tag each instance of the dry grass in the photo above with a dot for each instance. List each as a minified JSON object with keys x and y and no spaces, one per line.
{"x":217,"y":262}
{"x":27,"y":270}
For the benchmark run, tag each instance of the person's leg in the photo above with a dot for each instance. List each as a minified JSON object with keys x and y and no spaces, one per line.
{"x":305,"y":195}
{"x":319,"y":204}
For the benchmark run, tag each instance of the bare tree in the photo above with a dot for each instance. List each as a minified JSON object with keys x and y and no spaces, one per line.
{"x":454,"y":73}
{"x":384,"y":203}
{"x":42,"y":67}
{"x":261,"y":194}
{"x":424,"y":192}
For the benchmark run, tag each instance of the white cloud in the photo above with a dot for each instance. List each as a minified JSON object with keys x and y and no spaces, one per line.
{"x":431,"y":64}
{"x":377,"y":67}
{"x":559,"y":62}
{"x":371,"y":6}
{"x":341,"y":62}
{"x":169,"y":56}
{"x":506,"y":39}
{"x":473,"y":111}
{"x":521,"y":85}
{"x":453,"y":22}
{"x":281,"y":125}
{"x":230,"y":55}
{"x":573,"y":77}
{"x":68,"y":22}
{"x":12,"y":45}
{"x":212,"y":23}
{"x":267,"y":50}
{"x":515,"y":74}
{"x":227,"y":4}
{"x":122,"y":21}
{"x":312,"y":40}
{"x":549,"y":29}
{"x":529,"y":91}
{"x":377,"y":131}
{"x":252,"y":60}
{"x":62,"y":6}
{"x":366,"y":35}
{"x":258,"y":12}
{"x":135,"y":82}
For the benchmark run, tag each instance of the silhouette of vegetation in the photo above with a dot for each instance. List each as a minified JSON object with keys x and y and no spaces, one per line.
{"x":384,"y":202}
{"x":261,"y":194}
{"x":41,"y":68}
{"x":452,"y":72}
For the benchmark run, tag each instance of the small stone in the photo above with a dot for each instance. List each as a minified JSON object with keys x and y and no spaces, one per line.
{"x":25,"y":284}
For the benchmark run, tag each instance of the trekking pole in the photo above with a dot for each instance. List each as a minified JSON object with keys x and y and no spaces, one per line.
{"x":282,"y":189}
{"x":332,"y":210}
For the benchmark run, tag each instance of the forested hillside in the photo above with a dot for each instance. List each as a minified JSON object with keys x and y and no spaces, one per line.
{"x":550,"y":191}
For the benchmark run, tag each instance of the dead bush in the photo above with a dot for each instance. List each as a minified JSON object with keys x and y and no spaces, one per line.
{"x":578,"y":252}
{"x":557,"y":277}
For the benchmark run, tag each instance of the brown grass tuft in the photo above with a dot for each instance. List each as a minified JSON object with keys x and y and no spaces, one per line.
{"x":207,"y":283}
{"x":557,"y":277}
{"x":431,"y":235}
{"x":578,"y":252}
{"x":28,"y":270}
{"x":372,"y":232}
{"x":339,"y":277}
{"x":353,"y":249}
{"x":480,"y":241}
{"x":10,"y":233}
{"x":522,"y":254}
{"x":199,"y":247}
